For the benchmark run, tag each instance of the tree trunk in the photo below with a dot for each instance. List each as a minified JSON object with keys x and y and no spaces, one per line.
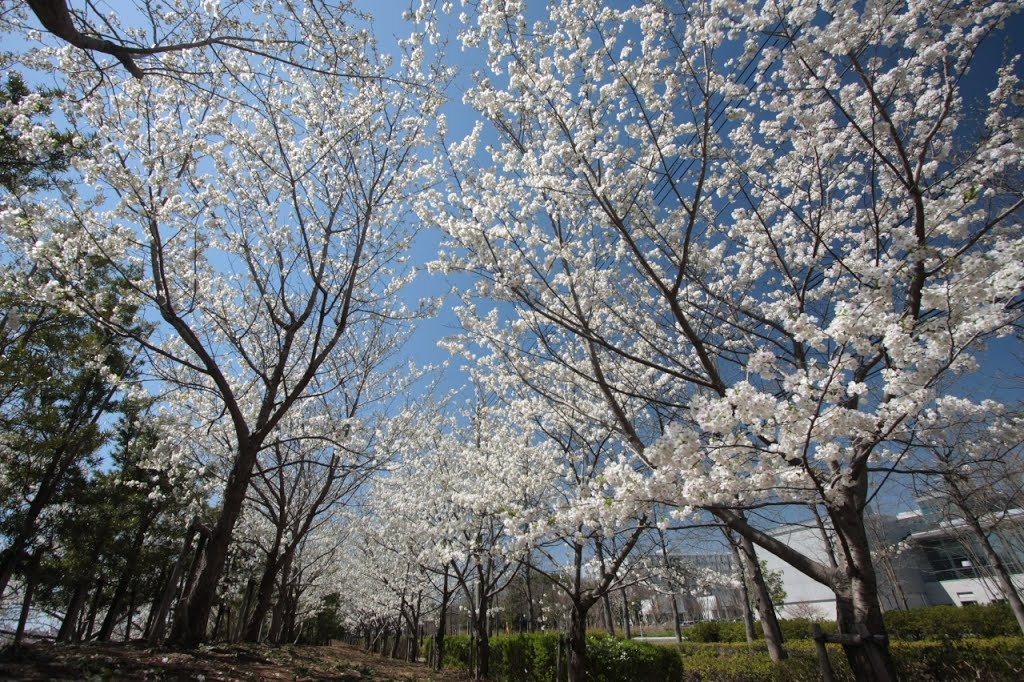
{"x":278,"y":615}
{"x":114,"y":610}
{"x":267,"y":584}
{"x":124,"y":580}
{"x":243,"y":611}
{"x":858,"y":611}
{"x":765,"y":608}
{"x":393,"y":653}
{"x":158,"y":619}
{"x":264,"y":595}
{"x":412,"y":620}
{"x":97,"y":594}
{"x":672,"y":585}
{"x":190,"y":630}
{"x":131,"y":613}
{"x":531,"y":623}
{"x":11,"y":556}
{"x":748,"y":613}
{"x":219,"y":618}
{"x":676,"y":625}
{"x":609,"y":617}
{"x":853,"y":581}
{"x":195,"y":566}
{"x":277,"y":619}
{"x":291,"y":594}
{"x":438,"y":649}
{"x":26,"y":602}
{"x":86,"y":410}
{"x":1002,"y":575}
{"x":442,"y":623}
{"x":578,"y":642}
{"x":483,"y":642}
{"x":69,"y":626}
{"x":626,"y":627}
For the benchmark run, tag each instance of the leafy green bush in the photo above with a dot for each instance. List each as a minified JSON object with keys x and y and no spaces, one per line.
{"x":728,"y":631}
{"x":525,"y":657}
{"x":610,"y":659}
{"x":707,"y":631}
{"x":750,"y":663}
{"x":951,"y":622}
{"x":803,"y":628}
{"x":997,"y":659}
{"x":987,"y":660}
{"x":934,"y":622}
{"x":534,"y":657}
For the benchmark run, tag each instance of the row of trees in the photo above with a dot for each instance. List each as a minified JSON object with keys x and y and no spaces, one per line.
{"x":723,"y":259}
{"x":753,"y":242}
{"x":223,"y":241}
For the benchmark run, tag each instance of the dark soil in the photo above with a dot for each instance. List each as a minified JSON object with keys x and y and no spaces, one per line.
{"x":96,"y":662}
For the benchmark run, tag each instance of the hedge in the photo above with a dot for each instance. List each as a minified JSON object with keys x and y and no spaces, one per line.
{"x":998,"y":659}
{"x":729,"y":631}
{"x":533,"y":658}
{"x":951,"y":622}
{"x":933,"y":622}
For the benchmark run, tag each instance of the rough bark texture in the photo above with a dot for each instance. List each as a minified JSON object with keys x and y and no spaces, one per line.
{"x":26,"y":602}
{"x":578,"y":642}
{"x":858,"y":611}
{"x":765,"y":608}
{"x":69,"y":626}
{"x":853,"y":581}
{"x":483,"y":643}
{"x":158,"y":615}
{"x":190,"y":630}
{"x":748,"y":613}
{"x":264,"y":594}
{"x":124,"y":580}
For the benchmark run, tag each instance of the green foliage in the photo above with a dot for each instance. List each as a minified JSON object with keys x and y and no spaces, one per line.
{"x":934,"y":622}
{"x":456,"y":651}
{"x":727,"y":631}
{"x":122,"y":525}
{"x":711,"y":631}
{"x":951,"y":622}
{"x":989,"y":660}
{"x":734,"y":662}
{"x":325,"y":624}
{"x":999,"y":659}
{"x":525,"y":657}
{"x":773,"y":580}
{"x":534,"y":657}
{"x":610,"y":659}
{"x":25,"y":167}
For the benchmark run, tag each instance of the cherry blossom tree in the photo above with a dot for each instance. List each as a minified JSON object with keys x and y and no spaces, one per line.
{"x":527,"y":481}
{"x":419,"y":512}
{"x":297,"y":489}
{"x":762,"y":234}
{"x":256,"y":209}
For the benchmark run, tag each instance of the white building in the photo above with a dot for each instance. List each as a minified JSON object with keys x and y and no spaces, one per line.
{"x":921,"y":559}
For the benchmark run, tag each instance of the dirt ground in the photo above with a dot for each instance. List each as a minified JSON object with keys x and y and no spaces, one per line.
{"x":101,"y":662}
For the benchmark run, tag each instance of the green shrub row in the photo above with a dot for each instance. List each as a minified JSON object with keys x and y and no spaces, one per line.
{"x":729,"y":631}
{"x":534,"y":658}
{"x":951,"y":622}
{"x":998,"y":659}
{"x":934,"y":622}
